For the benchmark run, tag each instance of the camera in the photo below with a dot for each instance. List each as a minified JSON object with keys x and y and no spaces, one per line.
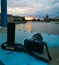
{"x":35,"y":43}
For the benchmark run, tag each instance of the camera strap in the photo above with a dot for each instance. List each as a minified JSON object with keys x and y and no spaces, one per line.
{"x":47,"y":51}
{"x":38,"y":57}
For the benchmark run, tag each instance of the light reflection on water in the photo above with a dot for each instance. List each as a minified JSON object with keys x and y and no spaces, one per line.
{"x":51,"y":27}
{"x":28,"y":26}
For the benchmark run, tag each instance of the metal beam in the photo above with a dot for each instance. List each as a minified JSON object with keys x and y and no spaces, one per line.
{"x":4,"y":13}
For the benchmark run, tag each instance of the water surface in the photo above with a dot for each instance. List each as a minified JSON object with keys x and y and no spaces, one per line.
{"x":51,"y":27}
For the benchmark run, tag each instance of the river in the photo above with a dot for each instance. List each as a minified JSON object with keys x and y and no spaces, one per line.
{"x":44,"y":27}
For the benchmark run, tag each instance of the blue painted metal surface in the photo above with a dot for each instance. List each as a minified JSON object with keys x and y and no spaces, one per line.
{"x":4,"y":12}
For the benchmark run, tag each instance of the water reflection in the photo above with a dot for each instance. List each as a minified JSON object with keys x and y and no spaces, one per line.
{"x":51,"y":27}
{"x":28,"y":27}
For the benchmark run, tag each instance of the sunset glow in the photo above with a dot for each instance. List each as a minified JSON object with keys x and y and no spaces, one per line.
{"x":28,"y":18}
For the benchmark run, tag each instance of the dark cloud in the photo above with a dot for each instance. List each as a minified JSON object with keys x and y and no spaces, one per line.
{"x":33,"y":7}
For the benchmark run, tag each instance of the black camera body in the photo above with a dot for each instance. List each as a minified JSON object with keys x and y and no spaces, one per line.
{"x":35,"y":43}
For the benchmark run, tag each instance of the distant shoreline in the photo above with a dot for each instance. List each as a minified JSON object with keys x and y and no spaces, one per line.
{"x":24,"y":22}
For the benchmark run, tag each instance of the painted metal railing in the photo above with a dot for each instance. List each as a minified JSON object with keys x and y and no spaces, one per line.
{"x":3,"y":13}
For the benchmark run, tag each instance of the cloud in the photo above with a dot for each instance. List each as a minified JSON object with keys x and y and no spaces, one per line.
{"x":18,"y":10}
{"x":33,"y":7}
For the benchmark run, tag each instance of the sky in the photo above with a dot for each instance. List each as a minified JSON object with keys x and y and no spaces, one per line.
{"x":37,"y":8}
